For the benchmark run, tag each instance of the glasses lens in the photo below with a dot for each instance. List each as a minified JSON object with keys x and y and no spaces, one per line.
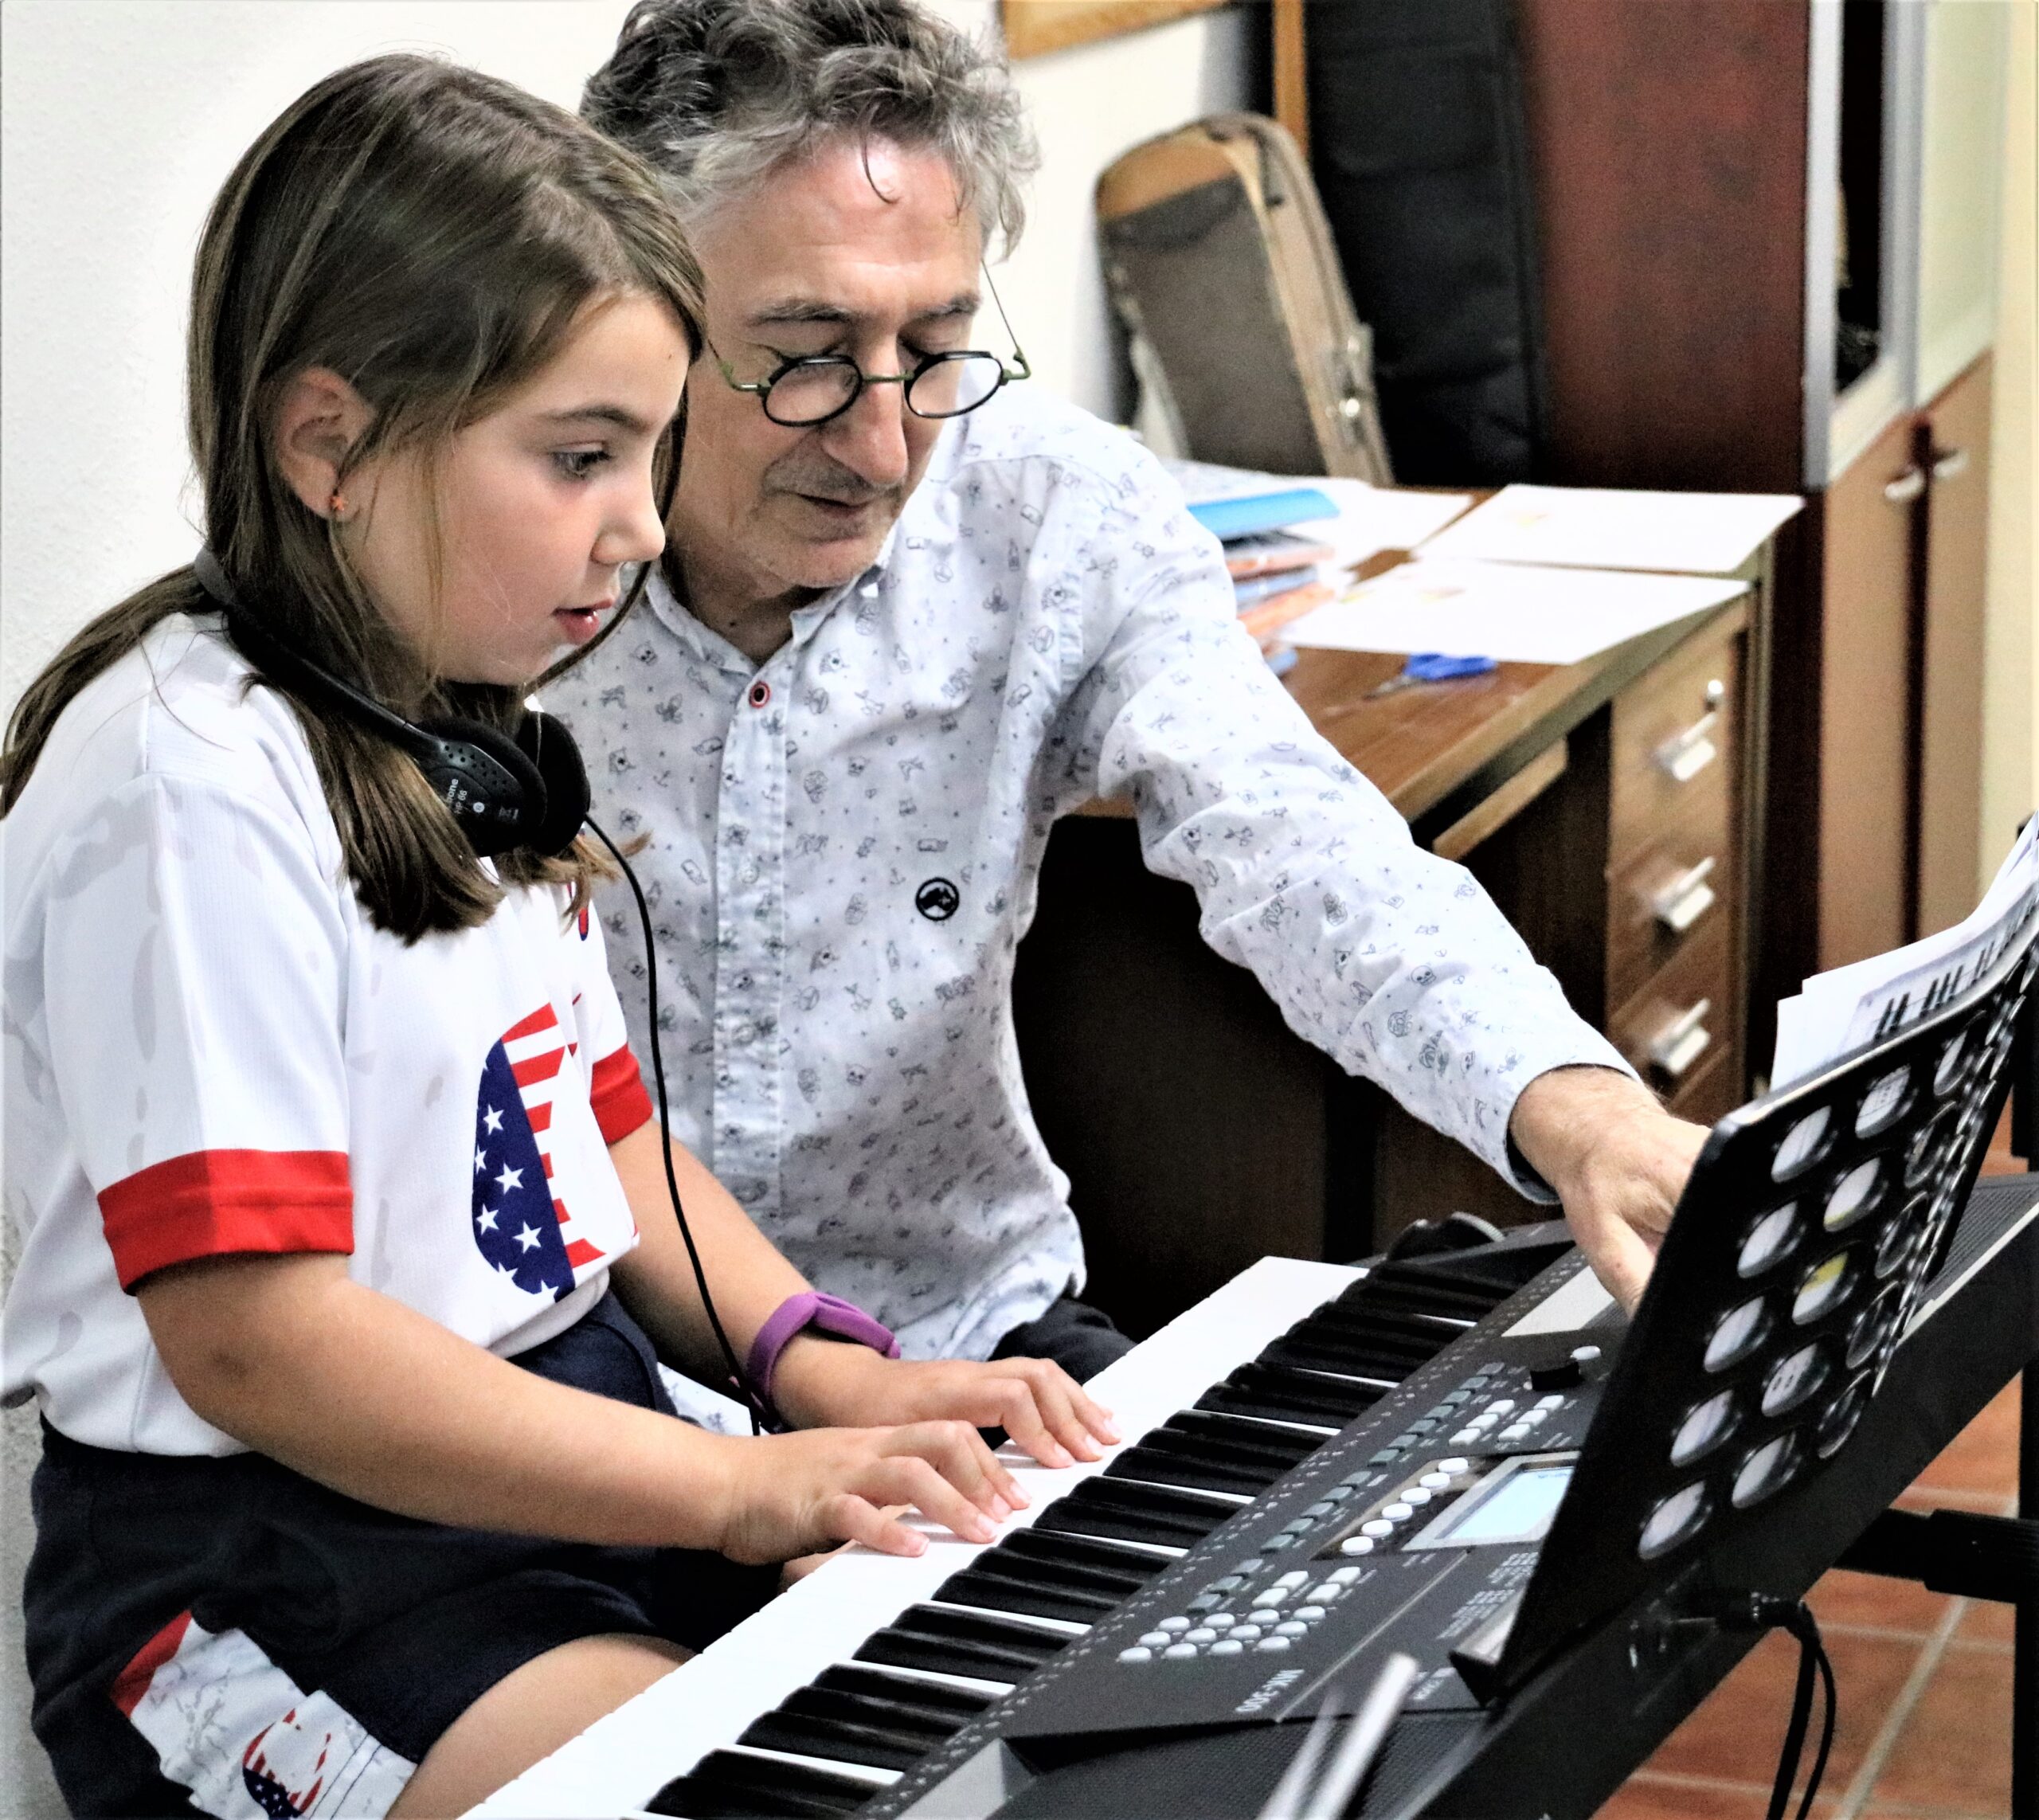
{"x":812,"y":391}
{"x":954,"y":384}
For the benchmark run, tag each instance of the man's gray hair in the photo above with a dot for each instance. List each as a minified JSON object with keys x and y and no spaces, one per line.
{"x":713,"y":94}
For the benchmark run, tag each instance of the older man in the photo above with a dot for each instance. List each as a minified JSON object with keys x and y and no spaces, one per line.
{"x":913,"y":611}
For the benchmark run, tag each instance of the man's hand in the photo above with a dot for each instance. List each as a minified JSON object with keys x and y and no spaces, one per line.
{"x":828,"y":1383}
{"x":782,"y":1496}
{"x":1618,"y":1161}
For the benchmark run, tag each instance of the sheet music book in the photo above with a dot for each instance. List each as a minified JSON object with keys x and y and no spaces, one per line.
{"x":1604,"y":528}
{"x":1840,"y":1011}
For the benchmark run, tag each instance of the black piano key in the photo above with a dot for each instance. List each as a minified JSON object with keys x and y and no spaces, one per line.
{"x":993,"y":1591}
{"x":1157,"y":1465}
{"x":1389,"y":1336}
{"x":1394,"y":1289}
{"x":936,"y":1699}
{"x":1285,"y":1394}
{"x":839,"y":1740}
{"x":961,"y":1643}
{"x":728,"y":1783}
{"x":1282,"y":1444}
{"x":904,"y":1716}
{"x":1377,"y":1373}
{"x":1107,"y":1584}
{"x":1135,"y":1566}
{"x":1136,"y":1512}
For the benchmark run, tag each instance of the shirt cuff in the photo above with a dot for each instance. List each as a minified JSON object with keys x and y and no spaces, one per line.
{"x":210,"y":1203}
{"x":1593,"y":1052}
{"x":615,"y":1091}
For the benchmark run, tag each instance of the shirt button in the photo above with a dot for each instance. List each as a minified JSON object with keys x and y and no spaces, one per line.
{"x":760,"y":693}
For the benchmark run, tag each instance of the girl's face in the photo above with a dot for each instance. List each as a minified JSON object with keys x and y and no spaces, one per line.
{"x":493,"y":566}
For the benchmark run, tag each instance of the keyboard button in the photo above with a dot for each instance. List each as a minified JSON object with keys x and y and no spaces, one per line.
{"x":1501,"y":1406}
{"x":1396,"y":1511}
{"x":1206,"y":1602}
{"x":1435,"y":1481}
{"x":1228,"y":1648}
{"x":1268,"y":1645}
{"x":1456,"y":1465}
{"x":1199,"y":1636}
{"x":1292,"y":1579}
{"x":1292,"y":1629}
{"x":1464,"y":1438}
{"x":1231,"y":1582}
{"x":1248,"y":1633}
{"x":1356,"y":1545}
{"x":1173,"y":1624}
{"x":1550,"y":1402}
{"x":1252,"y":1565}
{"x":1275,"y":1545}
{"x":1322,"y":1507}
{"x":1136,"y":1654}
{"x":1325,"y":1589}
{"x":1376,"y":1527}
{"x":1337,"y":1494}
{"x":1515,"y":1431}
{"x":1415,"y":1494}
{"x":1221,"y":1621}
{"x":1157,"y":1639}
{"x":1309,"y":1614}
{"x":1179,"y":1652}
{"x":1275,"y":1595}
{"x":1343,"y":1576}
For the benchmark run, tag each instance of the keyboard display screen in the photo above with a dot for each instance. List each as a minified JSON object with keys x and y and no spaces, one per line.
{"x":1515,"y":1504}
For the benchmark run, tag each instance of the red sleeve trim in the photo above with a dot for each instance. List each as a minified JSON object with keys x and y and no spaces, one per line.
{"x":615,"y":1090}
{"x":214,"y":1202}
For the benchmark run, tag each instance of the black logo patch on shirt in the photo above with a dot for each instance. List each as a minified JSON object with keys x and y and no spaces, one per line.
{"x":937,"y":900}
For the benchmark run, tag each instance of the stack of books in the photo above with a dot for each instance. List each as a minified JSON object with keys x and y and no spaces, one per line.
{"x":1276,"y":575}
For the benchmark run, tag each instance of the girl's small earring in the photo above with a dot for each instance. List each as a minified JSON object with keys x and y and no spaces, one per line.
{"x":337,"y":507}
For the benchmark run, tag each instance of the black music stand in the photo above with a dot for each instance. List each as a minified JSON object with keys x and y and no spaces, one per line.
{"x":1805,"y":1240}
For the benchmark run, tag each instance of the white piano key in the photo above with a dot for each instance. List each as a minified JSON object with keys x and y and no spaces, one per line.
{"x":621,"y":1760}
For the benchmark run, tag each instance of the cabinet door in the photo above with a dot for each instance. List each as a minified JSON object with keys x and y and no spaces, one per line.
{"x":1865,"y":697}
{"x":1951,"y":721}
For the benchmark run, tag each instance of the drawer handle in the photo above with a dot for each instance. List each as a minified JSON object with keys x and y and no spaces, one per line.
{"x":1687,"y":898}
{"x":1685,"y":755}
{"x":1682,"y":1041}
{"x":1949,"y":464}
{"x":1906,"y":487}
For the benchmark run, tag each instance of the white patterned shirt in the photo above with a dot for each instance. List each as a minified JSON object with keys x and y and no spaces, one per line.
{"x":845,"y":842}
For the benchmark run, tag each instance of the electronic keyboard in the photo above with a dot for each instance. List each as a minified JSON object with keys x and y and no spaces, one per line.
{"x":1120,"y":1649}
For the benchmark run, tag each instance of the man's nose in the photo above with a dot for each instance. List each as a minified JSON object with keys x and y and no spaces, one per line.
{"x":870,"y":438}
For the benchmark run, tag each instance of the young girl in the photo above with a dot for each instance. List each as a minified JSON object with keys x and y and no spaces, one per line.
{"x":346,"y":1246}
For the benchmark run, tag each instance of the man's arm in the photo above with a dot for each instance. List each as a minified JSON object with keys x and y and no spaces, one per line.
{"x":1618,"y":1161}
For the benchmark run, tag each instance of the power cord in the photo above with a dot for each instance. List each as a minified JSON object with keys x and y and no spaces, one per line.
{"x":1747,"y":1611}
{"x":764,"y":1418}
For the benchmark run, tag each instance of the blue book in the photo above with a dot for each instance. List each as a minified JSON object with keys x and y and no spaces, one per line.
{"x":1257,"y":512}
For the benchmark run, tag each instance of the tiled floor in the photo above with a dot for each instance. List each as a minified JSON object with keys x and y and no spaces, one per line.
{"x":1924,"y":1683}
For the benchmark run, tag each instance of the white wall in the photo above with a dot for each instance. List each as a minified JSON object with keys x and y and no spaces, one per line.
{"x":119,"y":120}
{"x":122,"y":117}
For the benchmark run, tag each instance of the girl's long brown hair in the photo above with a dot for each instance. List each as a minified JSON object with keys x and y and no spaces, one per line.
{"x":432,"y":235}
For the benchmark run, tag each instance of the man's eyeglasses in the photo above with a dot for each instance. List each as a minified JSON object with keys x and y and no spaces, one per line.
{"x":814,"y":388}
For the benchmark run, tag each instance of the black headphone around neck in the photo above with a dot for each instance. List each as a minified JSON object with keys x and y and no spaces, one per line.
{"x":506,"y":791}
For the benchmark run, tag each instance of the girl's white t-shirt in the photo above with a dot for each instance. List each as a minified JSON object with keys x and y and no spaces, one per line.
{"x":209,"y":1049}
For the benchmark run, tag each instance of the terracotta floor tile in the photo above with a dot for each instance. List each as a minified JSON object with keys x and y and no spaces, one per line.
{"x":1644,"y":1797}
{"x":1983,"y":1456}
{"x":1988,"y":1621}
{"x":1871,"y":1602}
{"x":1998,"y":1160}
{"x":1736,"y":1733}
{"x":1955,"y":1750}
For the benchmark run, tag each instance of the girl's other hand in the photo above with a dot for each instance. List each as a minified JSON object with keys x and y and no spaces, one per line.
{"x":787,"y":1495}
{"x":1035,"y":1402}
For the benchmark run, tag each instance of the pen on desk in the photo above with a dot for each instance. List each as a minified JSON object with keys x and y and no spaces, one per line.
{"x":1430,"y":666}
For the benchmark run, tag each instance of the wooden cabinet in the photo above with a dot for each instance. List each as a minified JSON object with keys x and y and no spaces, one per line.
{"x":1952,"y":453}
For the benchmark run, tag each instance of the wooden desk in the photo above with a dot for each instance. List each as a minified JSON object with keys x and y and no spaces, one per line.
{"x":1200,"y":1133}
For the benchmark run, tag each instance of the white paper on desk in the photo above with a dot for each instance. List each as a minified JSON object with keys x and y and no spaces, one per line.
{"x":1511,"y":611}
{"x":1600,"y":527}
{"x":1370,"y":519}
{"x":1840,"y":1011}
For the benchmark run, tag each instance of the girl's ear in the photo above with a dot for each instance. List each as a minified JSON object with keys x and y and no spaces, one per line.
{"x":319,"y":420}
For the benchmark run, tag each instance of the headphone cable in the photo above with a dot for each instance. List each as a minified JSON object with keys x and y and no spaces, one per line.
{"x":763,"y":1416}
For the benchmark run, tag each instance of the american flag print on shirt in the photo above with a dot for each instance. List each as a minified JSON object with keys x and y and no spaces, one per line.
{"x":525,"y":1232}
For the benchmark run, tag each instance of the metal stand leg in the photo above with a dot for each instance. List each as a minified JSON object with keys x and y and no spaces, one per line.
{"x":2024,"y":1671}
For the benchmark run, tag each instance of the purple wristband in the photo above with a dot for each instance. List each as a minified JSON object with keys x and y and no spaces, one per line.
{"x":827,"y":1313}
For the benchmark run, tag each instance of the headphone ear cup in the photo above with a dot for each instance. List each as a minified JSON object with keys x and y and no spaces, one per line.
{"x":545,"y":741}
{"x":497,"y":795}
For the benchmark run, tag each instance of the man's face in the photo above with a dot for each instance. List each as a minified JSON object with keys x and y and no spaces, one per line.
{"x":861,"y":251}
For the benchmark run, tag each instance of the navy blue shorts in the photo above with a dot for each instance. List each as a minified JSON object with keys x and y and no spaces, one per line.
{"x":225,"y":1637}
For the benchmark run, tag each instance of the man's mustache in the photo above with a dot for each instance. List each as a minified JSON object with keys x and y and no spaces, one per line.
{"x":825,"y":479}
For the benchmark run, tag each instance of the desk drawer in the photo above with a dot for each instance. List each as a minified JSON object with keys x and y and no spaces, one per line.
{"x":1676,"y":738}
{"x":1684,"y":1017}
{"x":1679,"y":886}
